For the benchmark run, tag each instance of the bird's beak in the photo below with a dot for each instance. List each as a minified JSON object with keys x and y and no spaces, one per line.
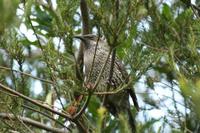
{"x":82,"y":38}
{"x":79,"y":37}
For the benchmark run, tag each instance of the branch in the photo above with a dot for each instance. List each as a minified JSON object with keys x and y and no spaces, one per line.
{"x":95,"y":51}
{"x":85,"y":30}
{"x":101,"y":72}
{"x":34,"y":102}
{"x":117,"y":90}
{"x":45,"y":114}
{"x":31,"y":122}
{"x":79,"y":125}
{"x":113,"y":53}
{"x":110,"y":74}
{"x":83,"y":107}
{"x":27,"y":74}
{"x":114,"y":44}
{"x":85,"y":17}
{"x":193,"y":7}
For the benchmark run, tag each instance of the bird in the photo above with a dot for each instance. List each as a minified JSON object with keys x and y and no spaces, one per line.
{"x":95,"y":53}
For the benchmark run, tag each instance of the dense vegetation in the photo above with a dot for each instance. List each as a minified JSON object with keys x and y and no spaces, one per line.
{"x":41,"y":82}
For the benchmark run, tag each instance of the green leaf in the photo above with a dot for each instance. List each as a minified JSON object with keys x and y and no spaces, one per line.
{"x":166,"y":11}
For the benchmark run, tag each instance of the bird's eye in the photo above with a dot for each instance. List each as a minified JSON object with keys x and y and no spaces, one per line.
{"x":91,"y":37}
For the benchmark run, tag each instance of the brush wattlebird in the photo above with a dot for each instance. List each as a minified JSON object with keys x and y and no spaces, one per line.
{"x":96,"y":51}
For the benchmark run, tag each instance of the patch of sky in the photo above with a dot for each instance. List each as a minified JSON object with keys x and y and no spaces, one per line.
{"x":59,"y":44}
{"x":36,"y":87}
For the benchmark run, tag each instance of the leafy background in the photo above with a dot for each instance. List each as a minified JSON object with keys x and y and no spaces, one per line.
{"x":158,"y":40}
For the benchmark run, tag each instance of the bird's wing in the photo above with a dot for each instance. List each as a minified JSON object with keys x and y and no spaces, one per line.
{"x":125,"y":76}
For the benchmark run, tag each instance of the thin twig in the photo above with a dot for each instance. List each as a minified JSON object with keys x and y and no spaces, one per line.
{"x":101,"y":72}
{"x":110,"y":74}
{"x":113,"y":53}
{"x":34,"y":101}
{"x":117,"y":90}
{"x":31,"y":122}
{"x":42,"y":105}
{"x":17,"y":118}
{"x":27,"y":74}
{"x":45,"y":114}
{"x":41,"y":47}
{"x":193,"y":7}
{"x":83,"y":107}
{"x":121,"y":88}
{"x":7,"y":93}
{"x":95,"y":51}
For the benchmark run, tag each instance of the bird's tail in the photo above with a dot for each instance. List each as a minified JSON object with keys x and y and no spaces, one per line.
{"x":134,"y":98}
{"x":131,"y":121}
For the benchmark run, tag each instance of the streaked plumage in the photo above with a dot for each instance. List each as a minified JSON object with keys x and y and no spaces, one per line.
{"x":116,"y":103}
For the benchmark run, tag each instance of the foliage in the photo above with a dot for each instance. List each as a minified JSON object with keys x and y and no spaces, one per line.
{"x":157,"y":41}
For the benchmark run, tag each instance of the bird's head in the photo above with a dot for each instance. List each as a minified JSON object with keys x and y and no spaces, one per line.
{"x":89,"y":40}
